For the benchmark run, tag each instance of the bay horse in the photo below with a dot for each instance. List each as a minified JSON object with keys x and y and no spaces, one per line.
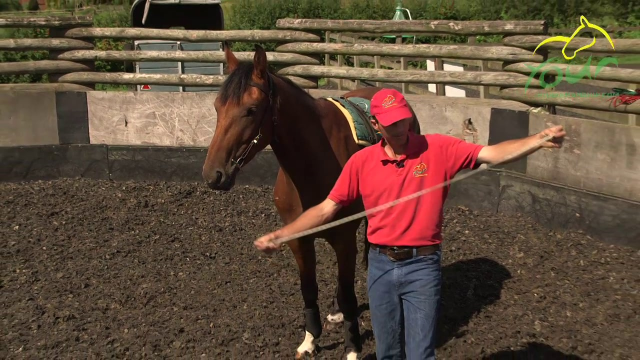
{"x":311,"y":140}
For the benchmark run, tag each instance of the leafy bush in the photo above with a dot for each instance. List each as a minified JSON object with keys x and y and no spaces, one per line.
{"x":107,"y":19}
{"x":13,"y":56}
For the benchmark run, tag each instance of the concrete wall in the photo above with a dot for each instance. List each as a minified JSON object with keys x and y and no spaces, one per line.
{"x":593,"y":183}
{"x":28,"y":118}
{"x":151,"y":118}
{"x":189,"y":119}
{"x":597,"y":156}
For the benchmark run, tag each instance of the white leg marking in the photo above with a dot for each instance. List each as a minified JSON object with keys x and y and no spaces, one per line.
{"x":307,"y":346}
{"x":335,"y":318}
{"x":352,"y":355}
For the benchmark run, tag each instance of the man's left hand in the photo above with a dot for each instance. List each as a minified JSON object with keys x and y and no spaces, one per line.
{"x":558,"y":134}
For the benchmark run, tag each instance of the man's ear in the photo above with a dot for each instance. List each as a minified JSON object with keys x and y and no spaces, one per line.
{"x":374,"y":123}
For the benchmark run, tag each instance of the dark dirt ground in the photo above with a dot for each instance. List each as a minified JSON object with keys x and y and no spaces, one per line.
{"x":98,"y":269}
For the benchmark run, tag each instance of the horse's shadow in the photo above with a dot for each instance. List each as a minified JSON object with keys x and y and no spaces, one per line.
{"x":468,"y":286}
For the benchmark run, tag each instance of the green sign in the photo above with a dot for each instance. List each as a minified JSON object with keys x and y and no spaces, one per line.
{"x":564,"y":73}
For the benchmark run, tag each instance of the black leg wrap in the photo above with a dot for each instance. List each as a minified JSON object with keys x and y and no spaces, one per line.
{"x":312,"y":322}
{"x":352,"y":335}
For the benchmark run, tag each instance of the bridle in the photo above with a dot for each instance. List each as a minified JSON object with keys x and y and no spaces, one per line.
{"x":270,"y":92}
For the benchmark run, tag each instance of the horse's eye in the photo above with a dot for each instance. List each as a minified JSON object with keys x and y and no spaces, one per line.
{"x":251,"y":111}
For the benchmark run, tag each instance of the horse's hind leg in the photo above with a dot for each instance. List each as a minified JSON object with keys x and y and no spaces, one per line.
{"x":304,"y":251}
{"x":344,"y":244}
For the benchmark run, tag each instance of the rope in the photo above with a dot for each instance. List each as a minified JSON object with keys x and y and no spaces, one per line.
{"x":282,"y":240}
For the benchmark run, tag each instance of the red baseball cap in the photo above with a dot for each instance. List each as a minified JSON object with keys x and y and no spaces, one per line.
{"x":389,"y":106}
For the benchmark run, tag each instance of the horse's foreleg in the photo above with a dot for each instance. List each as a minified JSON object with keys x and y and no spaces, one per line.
{"x":346,"y":251}
{"x":304,"y":251}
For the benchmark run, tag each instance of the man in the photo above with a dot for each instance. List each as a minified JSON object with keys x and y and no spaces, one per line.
{"x":404,"y":278}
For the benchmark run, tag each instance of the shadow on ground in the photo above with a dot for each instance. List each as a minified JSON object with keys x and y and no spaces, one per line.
{"x":533,"y":351}
{"x":468,"y":286}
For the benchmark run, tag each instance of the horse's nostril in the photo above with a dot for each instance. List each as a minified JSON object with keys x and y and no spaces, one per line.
{"x":218,"y":177}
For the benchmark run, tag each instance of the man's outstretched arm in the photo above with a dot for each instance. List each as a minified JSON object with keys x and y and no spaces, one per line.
{"x":315,"y":216}
{"x":499,"y":153}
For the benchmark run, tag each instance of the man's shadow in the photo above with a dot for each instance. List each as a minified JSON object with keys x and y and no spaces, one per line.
{"x":467,"y":287}
{"x":533,"y":351}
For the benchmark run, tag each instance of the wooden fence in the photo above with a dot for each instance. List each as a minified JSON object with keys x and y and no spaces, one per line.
{"x":505,"y":67}
{"x":479,"y":57}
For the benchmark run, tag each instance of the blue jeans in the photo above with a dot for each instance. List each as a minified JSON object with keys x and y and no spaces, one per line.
{"x":404,"y":300}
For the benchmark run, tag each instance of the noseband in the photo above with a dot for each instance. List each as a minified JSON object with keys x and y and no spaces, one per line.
{"x":270,"y":93}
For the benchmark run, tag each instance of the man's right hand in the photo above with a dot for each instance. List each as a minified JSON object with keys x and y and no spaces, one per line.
{"x":311,"y":218}
{"x":266,"y":243}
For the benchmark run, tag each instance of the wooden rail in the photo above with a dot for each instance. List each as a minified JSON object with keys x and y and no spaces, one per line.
{"x":45,"y":22}
{"x":418,"y":26}
{"x":41,"y":67}
{"x":503,"y":53}
{"x":190,"y":35}
{"x":569,"y":99}
{"x":157,"y":79}
{"x":44,"y":87}
{"x":393,"y":62}
{"x":622,"y":46}
{"x":412,"y":76}
{"x":605,"y":73}
{"x":193,"y":56}
{"x":43,"y":44}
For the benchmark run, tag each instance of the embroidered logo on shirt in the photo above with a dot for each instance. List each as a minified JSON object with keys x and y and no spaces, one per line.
{"x":389,"y":101}
{"x":420,"y":170}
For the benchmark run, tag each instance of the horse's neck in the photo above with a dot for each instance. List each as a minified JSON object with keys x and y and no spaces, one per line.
{"x":298,"y":126}
{"x":301,"y":143}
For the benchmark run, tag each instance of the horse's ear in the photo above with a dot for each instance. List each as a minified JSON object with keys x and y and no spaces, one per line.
{"x":232,"y":61}
{"x":260,"y":63}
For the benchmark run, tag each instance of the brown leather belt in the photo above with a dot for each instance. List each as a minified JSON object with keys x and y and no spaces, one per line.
{"x":399,"y":253}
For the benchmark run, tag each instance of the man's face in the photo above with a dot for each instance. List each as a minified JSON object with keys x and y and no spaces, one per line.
{"x":396,"y":131}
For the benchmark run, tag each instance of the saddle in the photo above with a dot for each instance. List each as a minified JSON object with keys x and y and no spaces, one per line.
{"x":357,"y":112}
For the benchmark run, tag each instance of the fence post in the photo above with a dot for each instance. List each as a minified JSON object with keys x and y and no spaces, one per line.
{"x":403,"y":64}
{"x":356,"y":60}
{"x":634,"y":119}
{"x":327,"y":57}
{"x":340,"y":60}
{"x":484,"y":66}
{"x":439,"y":66}
{"x":549,"y":79}
{"x":376,"y":64}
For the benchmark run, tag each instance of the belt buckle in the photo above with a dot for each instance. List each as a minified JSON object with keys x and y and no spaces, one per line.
{"x":396,"y":254}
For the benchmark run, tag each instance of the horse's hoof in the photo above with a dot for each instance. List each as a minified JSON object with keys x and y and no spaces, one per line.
{"x":352,"y":355}
{"x":306,"y":354}
{"x":335,"y":318}
{"x":330,"y":326}
{"x":308,"y":347}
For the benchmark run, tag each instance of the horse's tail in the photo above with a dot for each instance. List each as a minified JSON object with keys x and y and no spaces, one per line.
{"x":365,"y":255}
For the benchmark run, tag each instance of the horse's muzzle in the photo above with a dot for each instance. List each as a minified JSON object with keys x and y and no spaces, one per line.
{"x":218,"y":179}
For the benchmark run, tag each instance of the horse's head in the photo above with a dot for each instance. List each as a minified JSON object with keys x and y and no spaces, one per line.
{"x":246,"y":109}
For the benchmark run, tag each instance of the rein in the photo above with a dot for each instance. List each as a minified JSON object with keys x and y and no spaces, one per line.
{"x":240,"y":160}
{"x":335,"y":223}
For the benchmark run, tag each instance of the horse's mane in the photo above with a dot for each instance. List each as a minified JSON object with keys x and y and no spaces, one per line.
{"x":236,"y":84}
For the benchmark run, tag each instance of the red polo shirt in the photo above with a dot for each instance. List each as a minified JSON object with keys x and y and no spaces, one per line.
{"x":373,"y":175}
